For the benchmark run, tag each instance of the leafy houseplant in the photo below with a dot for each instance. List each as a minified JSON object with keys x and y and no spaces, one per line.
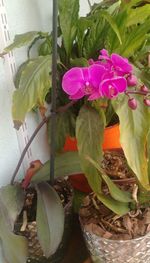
{"x":83,"y":74}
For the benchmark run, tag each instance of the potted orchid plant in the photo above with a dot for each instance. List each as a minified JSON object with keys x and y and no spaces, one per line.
{"x":92,"y":88}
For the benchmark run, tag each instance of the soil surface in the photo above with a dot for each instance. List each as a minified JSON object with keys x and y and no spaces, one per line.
{"x":99,"y":220}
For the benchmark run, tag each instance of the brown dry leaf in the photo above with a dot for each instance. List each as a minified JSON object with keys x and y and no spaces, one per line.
{"x":141,"y":227}
{"x":107,"y":235}
{"x":95,"y":229}
{"x":128,"y":224}
{"x":147,"y":216}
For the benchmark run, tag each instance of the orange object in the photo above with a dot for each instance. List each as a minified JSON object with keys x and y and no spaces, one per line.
{"x":111,"y":141}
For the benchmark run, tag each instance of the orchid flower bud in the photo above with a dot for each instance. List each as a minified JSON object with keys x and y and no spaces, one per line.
{"x":132,"y":103}
{"x":131,"y":80}
{"x":144,"y":88}
{"x":147,"y":102}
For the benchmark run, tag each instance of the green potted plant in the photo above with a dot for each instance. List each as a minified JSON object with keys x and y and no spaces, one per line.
{"x":78,"y":43}
{"x":81,"y":38}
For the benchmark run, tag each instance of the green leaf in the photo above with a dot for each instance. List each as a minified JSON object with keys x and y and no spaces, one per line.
{"x":65,"y":164}
{"x":112,"y":23}
{"x":89,"y":134}
{"x":50,"y":218}
{"x":79,"y":62}
{"x":34,"y":84}
{"x":12,"y":198}
{"x":138,"y":15}
{"x":22,"y":40}
{"x":68,"y":15}
{"x":63,"y":126}
{"x":10,"y":241}
{"x":117,"y":207}
{"x":134,"y":39}
{"x":114,"y":190}
{"x":134,"y":127}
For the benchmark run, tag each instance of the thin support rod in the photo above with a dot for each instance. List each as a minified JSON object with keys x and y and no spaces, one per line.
{"x":54,"y":90}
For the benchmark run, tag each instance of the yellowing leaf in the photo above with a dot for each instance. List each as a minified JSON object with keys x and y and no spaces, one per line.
{"x":34,"y":84}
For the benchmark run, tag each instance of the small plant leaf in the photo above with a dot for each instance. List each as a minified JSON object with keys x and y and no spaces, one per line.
{"x":34,"y":84}
{"x":10,"y":241}
{"x":115,"y":191}
{"x":12,"y":198}
{"x":89,"y":133}
{"x":65,"y":164}
{"x":117,"y":207}
{"x":50,"y":218}
{"x":22,"y":40}
{"x":138,"y":15}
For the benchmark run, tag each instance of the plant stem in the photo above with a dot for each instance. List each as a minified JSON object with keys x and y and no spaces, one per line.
{"x":137,"y":92}
{"x":27,"y":147}
{"x":89,"y":4}
{"x":53,"y":91}
{"x":45,"y":120}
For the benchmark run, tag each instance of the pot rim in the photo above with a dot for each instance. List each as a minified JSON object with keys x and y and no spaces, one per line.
{"x":112,"y":240}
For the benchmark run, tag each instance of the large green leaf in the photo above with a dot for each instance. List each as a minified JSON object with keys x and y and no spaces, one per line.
{"x":68,"y":15}
{"x":89,"y":133}
{"x":10,"y":241}
{"x":12,"y":198}
{"x":50,"y":218}
{"x":33,"y":86}
{"x":115,"y":191}
{"x":117,"y":207}
{"x":138,"y":15}
{"x":22,"y":40}
{"x":65,"y":164}
{"x":134,"y":127}
{"x":134,"y":39}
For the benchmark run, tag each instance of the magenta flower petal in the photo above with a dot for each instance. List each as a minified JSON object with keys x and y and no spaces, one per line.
{"x":73,"y":81}
{"x":96,"y":73}
{"x":120,"y":83}
{"x":104,"y":52}
{"x":80,"y":94}
{"x":121,"y":64}
{"x":111,"y":87}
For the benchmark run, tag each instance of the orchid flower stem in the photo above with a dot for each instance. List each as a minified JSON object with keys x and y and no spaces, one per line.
{"x":144,"y":93}
{"x":45,"y":120}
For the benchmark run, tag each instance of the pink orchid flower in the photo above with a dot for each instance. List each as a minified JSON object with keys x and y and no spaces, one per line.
{"x":110,"y":88}
{"x":80,"y":82}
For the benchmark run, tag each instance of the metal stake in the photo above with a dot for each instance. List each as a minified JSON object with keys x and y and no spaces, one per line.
{"x":54,"y":90}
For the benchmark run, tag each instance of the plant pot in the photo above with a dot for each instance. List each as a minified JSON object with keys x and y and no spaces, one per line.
{"x":111,"y":142}
{"x":105,"y":250}
{"x":119,"y":251}
{"x":35,"y":250}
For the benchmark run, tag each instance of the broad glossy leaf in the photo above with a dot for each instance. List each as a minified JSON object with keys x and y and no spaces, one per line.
{"x":50,"y":218}
{"x":117,"y":207}
{"x":68,"y":15}
{"x":89,"y":133}
{"x":10,"y":241}
{"x":138,"y":15}
{"x":115,"y":191}
{"x":12,"y":198}
{"x":22,"y":40}
{"x":65,"y":164}
{"x":134,"y":127}
{"x":34,"y":84}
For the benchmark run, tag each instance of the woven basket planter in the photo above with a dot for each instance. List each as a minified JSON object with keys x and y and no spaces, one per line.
{"x":35,"y":251}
